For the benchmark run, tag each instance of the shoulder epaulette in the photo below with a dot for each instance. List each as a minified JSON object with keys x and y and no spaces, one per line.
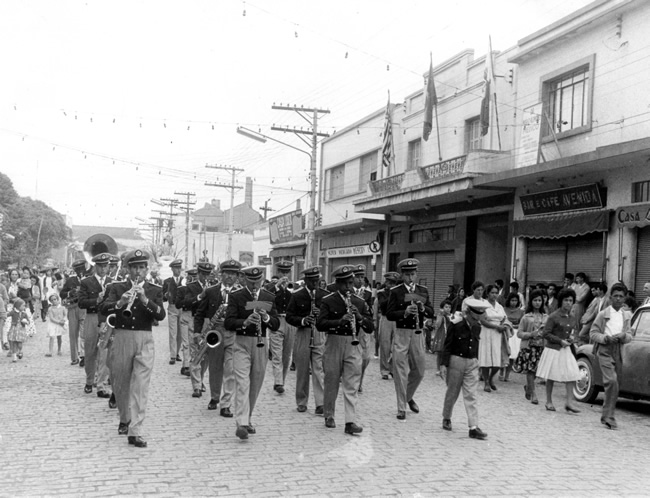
{"x":154,"y":284}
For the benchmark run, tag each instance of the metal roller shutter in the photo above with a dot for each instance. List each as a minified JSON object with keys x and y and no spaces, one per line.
{"x":435,"y":272}
{"x":546,"y":260}
{"x":585,"y":254}
{"x":426,"y":269}
{"x":642,"y":262}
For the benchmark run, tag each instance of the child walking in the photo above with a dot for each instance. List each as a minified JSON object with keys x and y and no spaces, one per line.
{"x":56,"y":323}
{"x":18,"y":331}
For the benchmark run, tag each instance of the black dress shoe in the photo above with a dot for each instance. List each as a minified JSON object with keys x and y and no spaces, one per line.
{"x":278,"y":388}
{"x":123,"y":429}
{"x":112,"y":402}
{"x":329,"y":423}
{"x":352,"y":428}
{"x":292,"y":367}
{"x":202,"y":388}
{"x":196,"y":393}
{"x":81,"y":361}
{"x":446,"y":424}
{"x":302,"y":408}
{"x":212,"y":405}
{"x":360,"y":390}
{"x":103,"y":394}
{"x":185,"y":371}
{"x":137,"y":441}
{"x":401,"y":415}
{"x":477,"y":434}
{"x":414,"y":406}
{"x":384,"y":377}
{"x":250,"y":429}
{"x":241,"y":432}
{"x":610,"y":423}
{"x":172,"y":361}
{"x":88,"y":389}
{"x":75,"y":362}
{"x":225,"y":412}
{"x":319,"y":410}
{"x":178,"y":358}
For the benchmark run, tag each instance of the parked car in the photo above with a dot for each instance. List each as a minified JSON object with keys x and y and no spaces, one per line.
{"x":635,"y":380}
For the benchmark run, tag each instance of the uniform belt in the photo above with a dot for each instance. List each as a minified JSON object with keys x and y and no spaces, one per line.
{"x":334,"y":332}
{"x":248,"y":334}
{"x":283,"y":315}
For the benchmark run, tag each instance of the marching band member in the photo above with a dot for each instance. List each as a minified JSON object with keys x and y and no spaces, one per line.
{"x":250,"y":360}
{"x":91,"y":295}
{"x":361,"y":292}
{"x":113,"y":262}
{"x":136,"y":304}
{"x":194,"y":293}
{"x":105,"y":352}
{"x":170,"y":286}
{"x":408,"y":339}
{"x":386,"y":327}
{"x":210,"y":314}
{"x":281,"y":341}
{"x":302,"y":312}
{"x":76,"y":316}
{"x":186,"y":320}
{"x":343,"y":316}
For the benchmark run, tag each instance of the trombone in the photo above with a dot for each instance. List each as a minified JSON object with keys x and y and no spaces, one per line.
{"x":353,"y":323}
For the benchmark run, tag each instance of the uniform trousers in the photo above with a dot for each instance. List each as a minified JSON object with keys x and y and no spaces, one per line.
{"x":462,"y":373}
{"x":174,"y":324}
{"x":250,"y":367}
{"x":187,"y":330}
{"x":213,"y":362}
{"x":386,"y":332}
{"x":611,"y":366}
{"x":281,"y":343}
{"x":92,"y":362}
{"x":228,"y":387}
{"x":76,"y":317}
{"x":132,"y":361}
{"x":341,"y":361}
{"x":305,"y":357}
{"x":408,"y":364}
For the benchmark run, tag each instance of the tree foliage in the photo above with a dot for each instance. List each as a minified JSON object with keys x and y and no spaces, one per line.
{"x":23,"y":218}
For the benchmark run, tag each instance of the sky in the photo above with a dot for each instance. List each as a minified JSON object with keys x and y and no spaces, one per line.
{"x":106,"y":106}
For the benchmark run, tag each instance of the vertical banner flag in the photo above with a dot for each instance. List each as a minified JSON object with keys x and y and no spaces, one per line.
{"x":488,"y":76}
{"x":387,"y":150}
{"x":430,"y":101}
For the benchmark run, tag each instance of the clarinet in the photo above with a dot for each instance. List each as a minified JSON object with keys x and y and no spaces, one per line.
{"x":353,"y":324}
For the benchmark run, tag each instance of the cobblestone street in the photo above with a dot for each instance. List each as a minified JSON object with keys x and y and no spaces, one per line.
{"x":56,"y":440}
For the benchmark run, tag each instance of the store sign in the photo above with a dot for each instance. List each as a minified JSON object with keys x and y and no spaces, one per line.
{"x":558,"y":201}
{"x":347,"y":252}
{"x":246,"y":258}
{"x":450,"y":167}
{"x":637,"y":215}
{"x":286,"y":227}
{"x":264,"y":260}
{"x":529,"y":138}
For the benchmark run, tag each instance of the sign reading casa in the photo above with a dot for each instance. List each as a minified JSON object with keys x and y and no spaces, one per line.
{"x":565,"y":199}
{"x":637,"y":215}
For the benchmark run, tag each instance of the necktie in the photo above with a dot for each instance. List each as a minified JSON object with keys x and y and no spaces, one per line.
{"x":254,"y":295}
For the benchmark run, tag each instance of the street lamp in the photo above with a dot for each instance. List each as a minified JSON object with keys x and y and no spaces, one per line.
{"x":311,"y":217}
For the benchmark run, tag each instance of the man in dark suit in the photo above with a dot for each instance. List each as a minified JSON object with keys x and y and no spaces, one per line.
{"x":70,"y":296}
{"x":169,"y":287}
{"x":186,"y":320}
{"x":309,"y":345}
{"x":386,"y":327}
{"x":91,"y":295}
{"x":194,"y":292}
{"x":343,"y":316}
{"x":136,"y":304}
{"x":210,"y":315}
{"x":250,"y":361}
{"x":408,"y":339}
{"x":281,"y":341}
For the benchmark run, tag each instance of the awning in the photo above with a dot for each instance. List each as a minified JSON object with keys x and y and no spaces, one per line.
{"x":288,"y":251}
{"x":562,"y":225}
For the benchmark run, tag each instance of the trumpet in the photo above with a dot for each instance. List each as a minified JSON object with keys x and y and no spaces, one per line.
{"x":211,"y":339}
{"x":353,"y":323}
{"x":127,"y":313}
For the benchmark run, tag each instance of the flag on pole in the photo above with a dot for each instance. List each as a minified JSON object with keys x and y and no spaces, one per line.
{"x":488,"y":76}
{"x":387,"y":150}
{"x":431,"y":100}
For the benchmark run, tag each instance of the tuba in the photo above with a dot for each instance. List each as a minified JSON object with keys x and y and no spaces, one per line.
{"x":98,"y":244}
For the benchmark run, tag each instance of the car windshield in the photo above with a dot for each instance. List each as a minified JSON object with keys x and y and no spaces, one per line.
{"x":641,"y":325}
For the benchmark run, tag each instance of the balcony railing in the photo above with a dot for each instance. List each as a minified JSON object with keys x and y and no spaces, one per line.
{"x":450,"y":167}
{"x":387,"y":184}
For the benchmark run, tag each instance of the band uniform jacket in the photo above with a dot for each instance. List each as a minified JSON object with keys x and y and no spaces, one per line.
{"x":89,"y":292}
{"x":142,"y":317}
{"x":209,"y":305}
{"x":300,"y":305}
{"x":333,"y":308}
{"x":179,"y":302}
{"x":169,"y":289}
{"x":71,"y":284}
{"x":236,"y":312}
{"x":190,"y":301}
{"x":396,"y":307}
{"x":382,"y":300}
{"x":366,"y":295}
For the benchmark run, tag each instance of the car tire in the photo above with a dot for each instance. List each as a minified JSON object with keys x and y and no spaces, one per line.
{"x":585,"y":390}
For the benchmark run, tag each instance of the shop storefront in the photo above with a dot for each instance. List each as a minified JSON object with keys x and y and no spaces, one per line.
{"x":637,"y":218}
{"x":367,"y":254}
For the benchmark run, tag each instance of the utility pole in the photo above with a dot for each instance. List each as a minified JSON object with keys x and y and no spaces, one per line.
{"x":232,"y":187}
{"x":186,"y":207}
{"x":266,"y":208}
{"x":303,"y":112}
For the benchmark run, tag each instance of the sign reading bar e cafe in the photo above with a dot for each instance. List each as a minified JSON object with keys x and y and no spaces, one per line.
{"x":561,"y":200}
